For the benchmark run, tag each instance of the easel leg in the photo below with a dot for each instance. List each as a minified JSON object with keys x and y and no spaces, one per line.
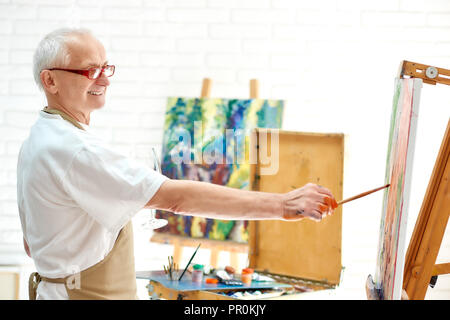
{"x":214,"y":258}
{"x":371,"y":291}
{"x":430,"y":226}
{"x":234,"y":260}
{"x":177,"y":252}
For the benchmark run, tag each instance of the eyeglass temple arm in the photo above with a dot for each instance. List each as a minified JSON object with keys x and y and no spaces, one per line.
{"x":82,"y":72}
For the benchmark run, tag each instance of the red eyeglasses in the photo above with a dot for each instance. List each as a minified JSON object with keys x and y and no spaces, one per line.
{"x":91,"y":73}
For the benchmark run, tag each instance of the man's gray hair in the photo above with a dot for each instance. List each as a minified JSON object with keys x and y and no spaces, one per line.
{"x":52,"y":51}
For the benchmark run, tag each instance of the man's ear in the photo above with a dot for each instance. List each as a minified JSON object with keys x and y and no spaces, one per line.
{"x":48,"y":81}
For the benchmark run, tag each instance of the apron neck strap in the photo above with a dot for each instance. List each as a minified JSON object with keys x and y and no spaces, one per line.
{"x":64,"y":115}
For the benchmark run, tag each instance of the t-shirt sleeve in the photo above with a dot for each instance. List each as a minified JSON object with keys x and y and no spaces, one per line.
{"x":110,"y":187}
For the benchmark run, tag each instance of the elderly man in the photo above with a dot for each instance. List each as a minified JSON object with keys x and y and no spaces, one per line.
{"x":76,"y":196}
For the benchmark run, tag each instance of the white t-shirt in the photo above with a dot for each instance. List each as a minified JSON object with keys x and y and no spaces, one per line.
{"x":74,"y":195}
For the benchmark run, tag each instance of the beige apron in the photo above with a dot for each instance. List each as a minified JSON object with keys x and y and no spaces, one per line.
{"x":112,"y":278}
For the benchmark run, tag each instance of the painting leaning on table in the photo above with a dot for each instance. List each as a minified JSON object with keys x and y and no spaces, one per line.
{"x":391,"y":245}
{"x":207,"y":139}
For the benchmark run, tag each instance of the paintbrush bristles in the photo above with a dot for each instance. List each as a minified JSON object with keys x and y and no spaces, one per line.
{"x":362,"y":194}
{"x":171,"y":268}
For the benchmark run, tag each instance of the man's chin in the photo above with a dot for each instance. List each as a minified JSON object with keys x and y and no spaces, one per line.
{"x":97,"y":105}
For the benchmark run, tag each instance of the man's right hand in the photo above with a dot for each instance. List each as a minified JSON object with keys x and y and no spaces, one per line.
{"x":310,"y":201}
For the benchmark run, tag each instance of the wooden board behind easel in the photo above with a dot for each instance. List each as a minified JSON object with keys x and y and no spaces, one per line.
{"x":303,"y":249}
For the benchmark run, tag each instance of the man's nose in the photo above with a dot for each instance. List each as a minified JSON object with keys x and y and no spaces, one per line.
{"x":102,"y":80}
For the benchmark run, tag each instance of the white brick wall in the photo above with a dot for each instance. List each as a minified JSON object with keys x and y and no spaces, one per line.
{"x":332,"y":60}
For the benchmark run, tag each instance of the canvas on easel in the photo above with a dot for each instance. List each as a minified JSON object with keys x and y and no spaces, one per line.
{"x":419,"y":269}
{"x":391,"y":246}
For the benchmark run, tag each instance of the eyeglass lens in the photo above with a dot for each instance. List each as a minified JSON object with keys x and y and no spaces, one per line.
{"x":94,"y":73}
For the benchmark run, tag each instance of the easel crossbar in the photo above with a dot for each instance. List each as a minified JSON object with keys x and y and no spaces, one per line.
{"x":442,"y":268}
{"x":429,"y":74}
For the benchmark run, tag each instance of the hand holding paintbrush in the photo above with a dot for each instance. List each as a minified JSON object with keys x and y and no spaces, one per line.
{"x":296,"y":208}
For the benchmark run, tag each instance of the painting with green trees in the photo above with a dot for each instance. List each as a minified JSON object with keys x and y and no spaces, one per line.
{"x":207,"y":139}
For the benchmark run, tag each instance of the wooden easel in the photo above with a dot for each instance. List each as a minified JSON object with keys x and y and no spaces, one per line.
{"x":420,"y":263}
{"x":206,"y":88}
{"x":420,"y":267}
{"x":215,"y":246}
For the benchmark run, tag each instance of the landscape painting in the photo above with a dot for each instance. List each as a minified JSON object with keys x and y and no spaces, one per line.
{"x":207,"y":139}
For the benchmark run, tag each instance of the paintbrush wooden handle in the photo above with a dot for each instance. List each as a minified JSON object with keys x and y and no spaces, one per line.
{"x":190,"y":260}
{"x":362,"y":194}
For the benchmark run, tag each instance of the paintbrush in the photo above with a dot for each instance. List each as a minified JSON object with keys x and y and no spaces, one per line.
{"x":362,"y":195}
{"x":189,"y":262}
{"x":171,"y":268}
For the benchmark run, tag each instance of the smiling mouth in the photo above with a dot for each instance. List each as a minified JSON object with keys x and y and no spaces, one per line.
{"x":95,"y":93}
